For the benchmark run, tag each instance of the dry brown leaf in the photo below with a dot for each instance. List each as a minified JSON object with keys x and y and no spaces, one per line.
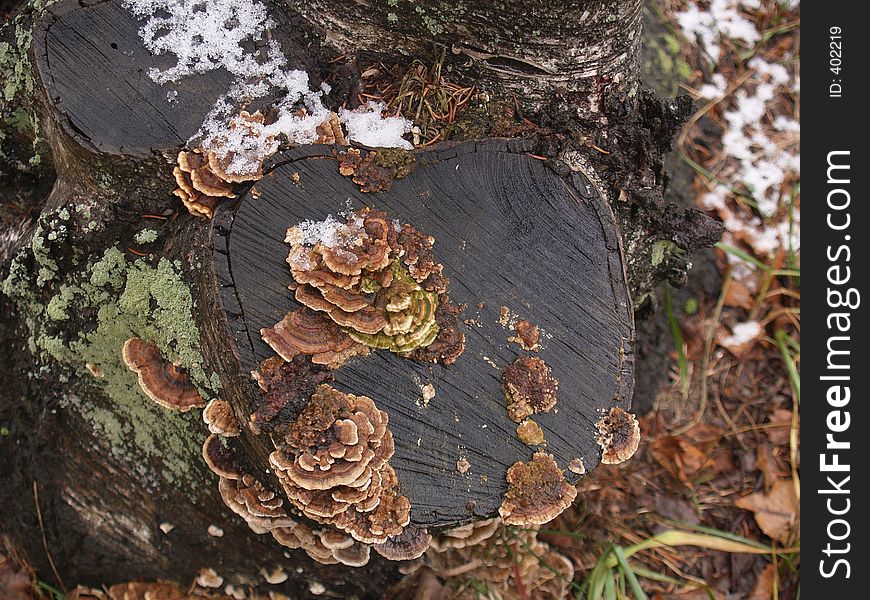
{"x":763,"y":589}
{"x":739,"y":295}
{"x":766,"y":463}
{"x":779,"y":427}
{"x":776,"y":512}
{"x":679,"y":457}
{"x":15,"y":581}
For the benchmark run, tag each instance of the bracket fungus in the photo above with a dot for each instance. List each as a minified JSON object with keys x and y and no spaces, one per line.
{"x":309,"y":332}
{"x":465,"y":535}
{"x":199,"y":188}
{"x":330,"y":132}
{"x":408,"y":545}
{"x":537,"y":492}
{"x":260,"y":507}
{"x":220,"y":458}
{"x":332,"y":463}
{"x":218,"y":416}
{"x":325,"y":546}
{"x":162,"y":381}
{"x":529,"y":386}
{"x":376,"y":280}
{"x":618,"y":436}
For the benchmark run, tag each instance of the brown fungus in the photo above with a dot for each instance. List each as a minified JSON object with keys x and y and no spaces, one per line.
{"x":285,"y":389}
{"x":408,"y":545}
{"x":529,"y":386}
{"x":302,"y":536}
{"x":333,"y":440}
{"x":618,"y":436}
{"x":355,"y":555}
{"x":220,"y":458}
{"x":528,"y":336}
{"x":162,"y":381}
{"x":218,"y":415}
{"x":222,"y":162}
{"x":205,"y":177}
{"x":329,"y":131}
{"x":537,"y":492}
{"x":333,"y":467}
{"x":208,"y":578}
{"x":465,"y":535}
{"x":530,"y":433}
{"x":449,"y":344}
{"x":495,"y":563}
{"x":313,"y":333}
{"x":361,"y":167}
{"x":576,"y":466}
{"x":259,"y":506}
{"x":377,"y":281}
{"x":199,"y":188}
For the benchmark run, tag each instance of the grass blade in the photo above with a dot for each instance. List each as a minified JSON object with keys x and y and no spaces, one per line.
{"x":633,"y":583}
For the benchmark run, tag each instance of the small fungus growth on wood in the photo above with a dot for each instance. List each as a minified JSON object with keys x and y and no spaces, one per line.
{"x":537,"y":492}
{"x":529,"y":386}
{"x":530,"y":433}
{"x":528,"y":336}
{"x":618,"y":436}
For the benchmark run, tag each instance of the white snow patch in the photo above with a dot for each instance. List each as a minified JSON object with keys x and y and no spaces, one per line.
{"x":742,"y":333}
{"x":206,"y":35}
{"x":722,"y":18}
{"x":368,"y":126}
{"x":330,"y":232}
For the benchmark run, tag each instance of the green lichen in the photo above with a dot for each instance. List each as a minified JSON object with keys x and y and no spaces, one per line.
{"x":16,"y":75}
{"x":82,"y":319}
{"x":146,"y":236}
{"x":15,"y":63}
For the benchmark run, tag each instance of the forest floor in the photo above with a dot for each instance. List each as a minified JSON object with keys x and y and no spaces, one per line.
{"x":709,"y":506}
{"x":716,"y":477}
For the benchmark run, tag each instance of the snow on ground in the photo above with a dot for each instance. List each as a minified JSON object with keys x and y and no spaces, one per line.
{"x":206,"y":35}
{"x":366,"y":126}
{"x":760,"y":145}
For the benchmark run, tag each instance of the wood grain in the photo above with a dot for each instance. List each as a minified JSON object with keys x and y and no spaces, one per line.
{"x":510,"y":232}
{"x":95,"y":70}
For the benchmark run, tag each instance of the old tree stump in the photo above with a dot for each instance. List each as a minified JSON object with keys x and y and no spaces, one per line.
{"x":528,"y":245}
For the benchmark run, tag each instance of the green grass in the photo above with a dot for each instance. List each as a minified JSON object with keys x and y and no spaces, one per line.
{"x":614,"y":577}
{"x":678,"y":342}
{"x":786,"y":343}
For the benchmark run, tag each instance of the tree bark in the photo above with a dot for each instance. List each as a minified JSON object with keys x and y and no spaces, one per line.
{"x":537,"y":51}
{"x":117,"y":484}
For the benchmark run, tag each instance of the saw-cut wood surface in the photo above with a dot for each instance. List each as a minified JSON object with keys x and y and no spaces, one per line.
{"x":510,"y":233}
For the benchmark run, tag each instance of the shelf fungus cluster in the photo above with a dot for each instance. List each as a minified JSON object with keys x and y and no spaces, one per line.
{"x":333,"y":468}
{"x":203,"y":181}
{"x":162,"y":381}
{"x":205,"y":176}
{"x":618,"y":436}
{"x":333,"y":465}
{"x":365,"y":284}
{"x":501,"y":558}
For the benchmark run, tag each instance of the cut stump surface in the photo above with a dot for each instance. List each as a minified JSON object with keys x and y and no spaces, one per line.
{"x":510,"y":233}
